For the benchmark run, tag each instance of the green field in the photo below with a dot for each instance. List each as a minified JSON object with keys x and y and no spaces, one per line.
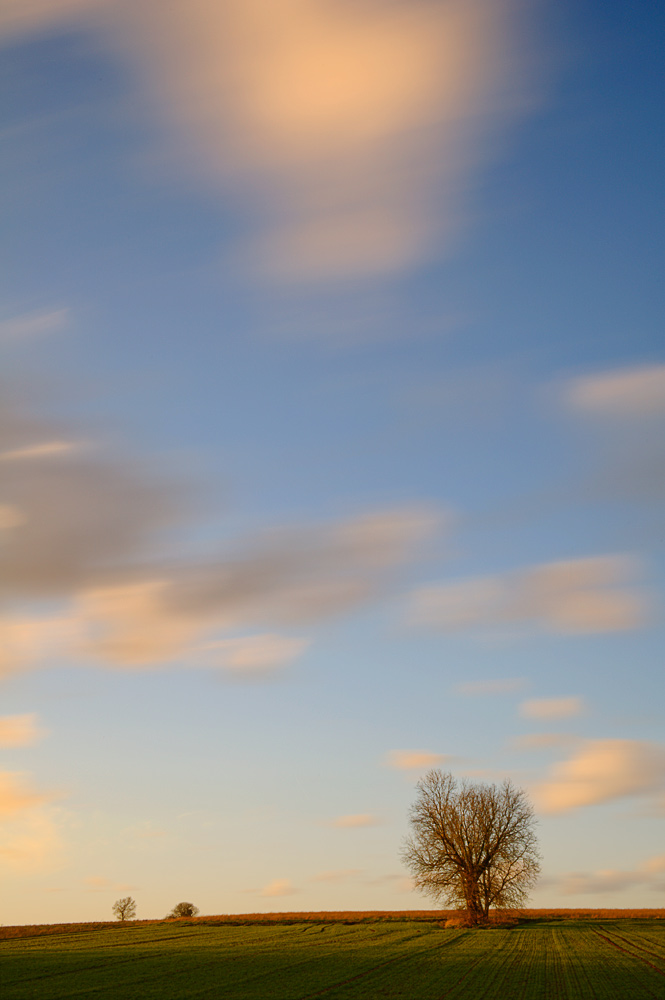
{"x":613,"y":959}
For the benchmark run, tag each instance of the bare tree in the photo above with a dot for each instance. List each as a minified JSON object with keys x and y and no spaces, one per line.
{"x":472,"y":845}
{"x":183,"y":910}
{"x":124,"y":909}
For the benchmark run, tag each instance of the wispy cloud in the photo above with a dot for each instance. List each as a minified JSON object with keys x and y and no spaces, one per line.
{"x":84,"y":531}
{"x":16,"y":795}
{"x":279,"y":887}
{"x":20,"y":730}
{"x":337,"y":875}
{"x":349,"y":132}
{"x":540,"y":741}
{"x":355,"y":820}
{"x":254,"y":655}
{"x":30,"y":837}
{"x":45,"y":449}
{"x":603,"y":770}
{"x":34,"y":324}
{"x":414,"y":760}
{"x":594,"y":594}
{"x":551,"y":708}
{"x":627,"y":392}
{"x":651,"y":874}
{"x":506,"y":685}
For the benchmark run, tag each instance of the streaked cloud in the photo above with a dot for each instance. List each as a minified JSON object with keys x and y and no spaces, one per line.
{"x":595,"y":594}
{"x":349,"y":132}
{"x":86,"y":516}
{"x":82,"y":529}
{"x":627,"y":392}
{"x":34,"y":324}
{"x":603,"y":770}
{"x":10,"y":517}
{"x":30,"y":841}
{"x":414,"y":760}
{"x":611,"y":880}
{"x":45,"y":449}
{"x":355,"y":820}
{"x":540,"y":741}
{"x":338,"y":875}
{"x":255,"y":654}
{"x":551,"y":708}
{"x":506,"y":685}
{"x":20,"y":730}
{"x":26,"y":640}
{"x":29,"y":837}
{"x":16,"y":795}
{"x":279,"y":887}
{"x":97,"y":883}
{"x":299,"y":575}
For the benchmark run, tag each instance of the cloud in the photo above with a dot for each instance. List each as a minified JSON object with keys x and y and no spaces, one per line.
{"x":603,"y":770}
{"x":97,"y":883}
{"x":20,"y":730}
{"x":489,"y":687}
{"x":551,"y":708}
{"x":256,"y":655}
{"x":339,"y":875}
{"x":29,"y":836}
{"x":414,"y":760}
{"x":540,"y":741}
{"x":347,"y":132}
{"x":34,"y":324}
{"x":628,"y":392}
{"x":279,"y":887}
{"x":45,"y":449}
{"x":355,"y":820}
{"x":82,"y":527}
{"x":83,"y":514}
{"x":28,"y":640}
{"x":611,"y":880}
{"x":16,"y":796}
{"x":294,"y":576}
{"x":30,"y":841}
{"x":572,"y":596}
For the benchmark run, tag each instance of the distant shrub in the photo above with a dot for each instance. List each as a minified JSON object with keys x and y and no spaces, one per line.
{"x":183,"y":910}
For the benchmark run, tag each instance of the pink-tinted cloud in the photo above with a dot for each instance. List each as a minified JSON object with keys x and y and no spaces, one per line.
{"x":349,"y":131}
{"x":628,"y":392}
{"x":551,"y":708}
{"x":600,"y":771}
{"x":595,"y":594}
{"x":279,"y":887}
{"x":20,"y":730}
{"x":414,"y":760}
{"x":355,"y":820}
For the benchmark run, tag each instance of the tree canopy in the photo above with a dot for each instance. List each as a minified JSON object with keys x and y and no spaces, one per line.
{"x":472,"y":845}
{"x":183,"y":910}
{"x":125,"y":908}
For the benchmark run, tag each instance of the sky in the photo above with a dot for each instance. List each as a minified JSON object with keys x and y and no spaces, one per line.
{"x":332,"y":400}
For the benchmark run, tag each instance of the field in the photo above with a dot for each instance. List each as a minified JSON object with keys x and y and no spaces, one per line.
{"x":338,"y":959}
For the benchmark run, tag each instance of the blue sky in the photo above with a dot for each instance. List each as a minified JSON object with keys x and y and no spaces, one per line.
{"x":333,"y":398}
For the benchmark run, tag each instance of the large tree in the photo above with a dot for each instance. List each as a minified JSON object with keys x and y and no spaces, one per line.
{"x":472,"y":845}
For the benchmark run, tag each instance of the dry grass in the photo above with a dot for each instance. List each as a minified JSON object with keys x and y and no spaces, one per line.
{"x":445,"y":918}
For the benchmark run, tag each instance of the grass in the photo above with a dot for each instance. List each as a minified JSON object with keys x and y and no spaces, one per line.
{"x":347,"y":956}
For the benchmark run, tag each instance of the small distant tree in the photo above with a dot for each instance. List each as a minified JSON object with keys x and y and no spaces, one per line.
{"x":183,"y":910}
{"x":124,"y":909}
{"x":472,"y":845}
